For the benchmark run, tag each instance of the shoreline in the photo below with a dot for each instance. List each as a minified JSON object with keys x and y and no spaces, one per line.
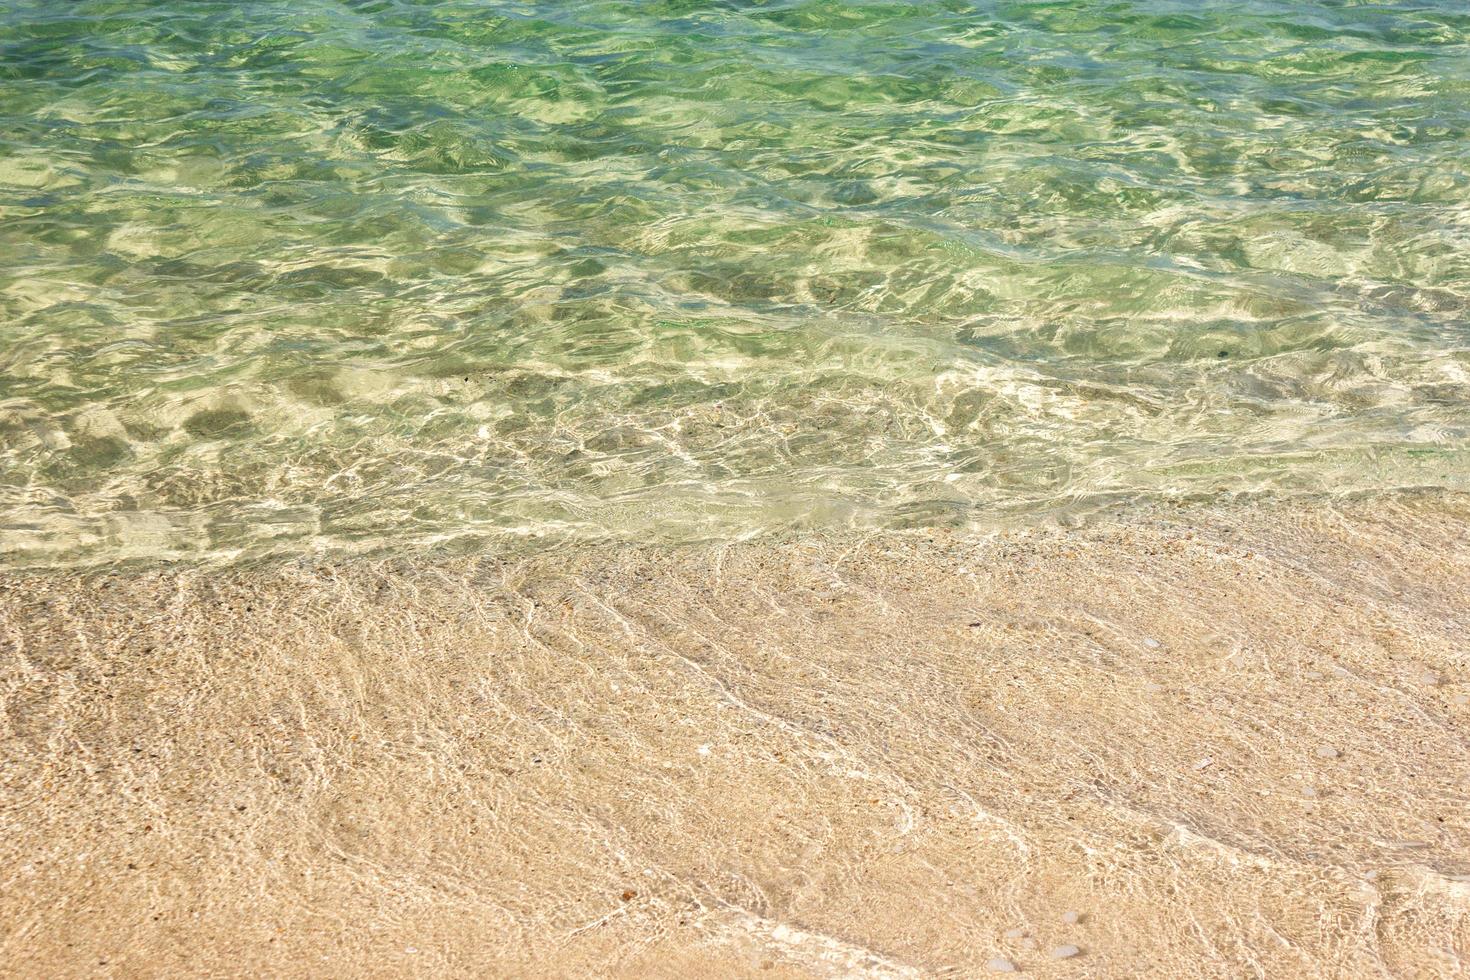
{"x":1229,"y":737}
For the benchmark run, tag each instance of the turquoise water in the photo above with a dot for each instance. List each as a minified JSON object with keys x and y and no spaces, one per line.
{"x":335,"y":276}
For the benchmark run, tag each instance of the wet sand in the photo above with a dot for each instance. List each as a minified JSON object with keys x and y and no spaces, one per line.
{"x":1230,"y":738}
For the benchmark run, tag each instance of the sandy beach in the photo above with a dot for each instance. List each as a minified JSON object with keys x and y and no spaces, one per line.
{"x":759,"y":488}
{"x":1223,"y":740}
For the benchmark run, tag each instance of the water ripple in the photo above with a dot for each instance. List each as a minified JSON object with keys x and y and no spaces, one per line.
{"x":337,"y":275}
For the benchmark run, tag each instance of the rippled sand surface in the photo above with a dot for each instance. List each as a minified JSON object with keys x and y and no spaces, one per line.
{"x":751,"y":487}
{"x":336,"y":276}
{"x":1231,"y":740}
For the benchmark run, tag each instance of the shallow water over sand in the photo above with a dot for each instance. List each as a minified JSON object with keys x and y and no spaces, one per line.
{"x":286,"y":277}
{"x":1230,"y":738}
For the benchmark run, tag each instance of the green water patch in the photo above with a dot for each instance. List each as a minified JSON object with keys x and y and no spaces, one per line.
{"x":345,"y":275}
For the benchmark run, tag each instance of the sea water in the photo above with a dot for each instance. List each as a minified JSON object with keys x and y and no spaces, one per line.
{"x":327,"y":276}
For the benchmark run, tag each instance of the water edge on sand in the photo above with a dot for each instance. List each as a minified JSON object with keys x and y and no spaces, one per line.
{"x":1229,"y":738}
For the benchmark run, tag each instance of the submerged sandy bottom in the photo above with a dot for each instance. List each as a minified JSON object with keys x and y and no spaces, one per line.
{"x":1231,"y":738}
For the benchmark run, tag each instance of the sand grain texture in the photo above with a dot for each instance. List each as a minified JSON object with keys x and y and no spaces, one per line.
{"x":817,"y":756}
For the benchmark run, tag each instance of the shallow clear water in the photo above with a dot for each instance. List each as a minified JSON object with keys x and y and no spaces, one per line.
{"x":341,"y":275}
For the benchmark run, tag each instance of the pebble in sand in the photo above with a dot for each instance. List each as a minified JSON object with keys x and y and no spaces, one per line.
{"x":1000,"y":964}
{"x":1065,"y":952}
